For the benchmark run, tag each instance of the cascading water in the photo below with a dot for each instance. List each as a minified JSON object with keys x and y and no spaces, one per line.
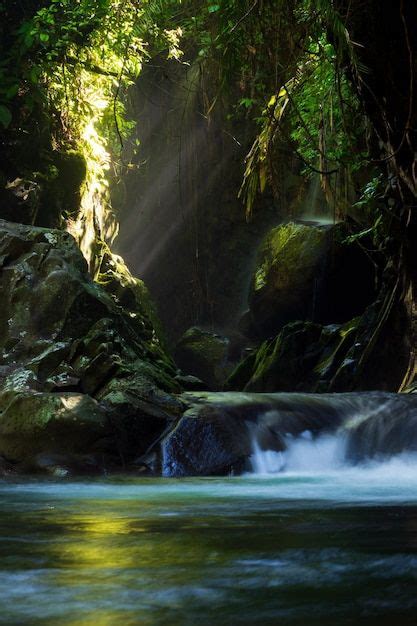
{"x":233,"y":433}
{"x":302,"y":454}
{"x":377,"y":440}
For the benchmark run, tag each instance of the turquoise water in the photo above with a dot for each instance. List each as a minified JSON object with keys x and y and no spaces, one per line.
{"x":297,"y":548}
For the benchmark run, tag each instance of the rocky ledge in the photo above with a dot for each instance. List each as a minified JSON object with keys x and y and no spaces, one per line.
{"x":85,"y":381}
{"x":219,"y":432}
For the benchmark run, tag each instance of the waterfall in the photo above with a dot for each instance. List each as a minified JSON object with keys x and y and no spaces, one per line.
{"x":233,"y":433}
{"x":302,"y":454}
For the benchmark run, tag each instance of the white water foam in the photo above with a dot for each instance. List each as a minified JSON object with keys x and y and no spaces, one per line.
{"x":326,"y":455}
{"x":266,"y":461}
{"x":302,"y":454}
{"x":318,"y":470}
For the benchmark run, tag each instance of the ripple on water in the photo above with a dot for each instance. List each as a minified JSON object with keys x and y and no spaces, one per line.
{"x":300,"y":549}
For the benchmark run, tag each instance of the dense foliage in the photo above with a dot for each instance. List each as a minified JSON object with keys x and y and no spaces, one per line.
{"x":65,"y":67}
{"x":287,"y":66}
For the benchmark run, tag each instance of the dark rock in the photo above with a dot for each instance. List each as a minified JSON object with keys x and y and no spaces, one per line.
{"x":79,"y":373}
{"x":242,"y":374}
{"x":49,"y":189}
{"x":284,"y":280}
{"x":204,"y":354}
{"x":207,"y":445}
{"x":389,"y":430}
{"x":33,"y":422}
{"x":303,"y":357}
{"x":308,"y":273}
{"x":190,"y":383}
{"x":63,"y":465}
{"x":6,"y":468}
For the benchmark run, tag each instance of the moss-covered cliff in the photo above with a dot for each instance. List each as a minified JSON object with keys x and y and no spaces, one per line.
{"x":84,"y":378}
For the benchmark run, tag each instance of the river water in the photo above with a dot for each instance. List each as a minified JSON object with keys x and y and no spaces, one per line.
{"x":329,"y":547}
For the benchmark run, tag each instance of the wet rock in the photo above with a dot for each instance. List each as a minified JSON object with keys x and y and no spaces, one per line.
{"x":390,"y":429}
{"x":204,"y":354}
{"x":303,"y":357}
{"x":207,"y":445}
{"x":308,"y":273}
{"x":6,"y":468}
{"x":78,"y":371}
{"x":218,"y":432}
{"x":190,"y":383}
{"x":63,"y":464}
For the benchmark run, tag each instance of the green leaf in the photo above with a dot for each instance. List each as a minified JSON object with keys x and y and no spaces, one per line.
{"x":213,"y":8}
{"x":5,"y":116}
{"x":34,"y":75}
{"x":272,"y":101}
{"x":44,"y":37}
{"x":247,"y":102}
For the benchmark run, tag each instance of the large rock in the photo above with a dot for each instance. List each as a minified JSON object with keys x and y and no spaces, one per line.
{"x":214,"y":436}
{"x":204,"y":354}
{"x":303,"y":357}
{"x":65,"y":423}
{"x":308,"y":273}
{"x":206,"y":445}
{"x":220,"y":432}
{"x":76,"y":367}
{"x":365,"y":353}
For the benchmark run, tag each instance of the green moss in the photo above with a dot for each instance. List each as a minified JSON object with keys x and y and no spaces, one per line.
{"x":288,"y":249}
{"x":205,"y":355}
{"x":130,"y":293}
{"x":336,"y":342}
{"x":303,"y":357}
{"x":242,"y":374}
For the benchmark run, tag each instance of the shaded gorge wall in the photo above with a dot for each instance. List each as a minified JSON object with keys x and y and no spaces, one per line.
{"x":182,"y":227}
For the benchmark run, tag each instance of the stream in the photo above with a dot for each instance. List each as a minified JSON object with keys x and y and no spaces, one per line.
{"x":331,"y":545}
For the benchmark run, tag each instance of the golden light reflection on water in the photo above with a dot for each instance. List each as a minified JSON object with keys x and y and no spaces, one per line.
{"x":112,"y":618}
{"x":93,"y":542}
{"x":105,"y":541}
{"x":102,"y":553}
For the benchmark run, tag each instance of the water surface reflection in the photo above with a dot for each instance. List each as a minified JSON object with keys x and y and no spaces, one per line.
{"x":223,"y":552}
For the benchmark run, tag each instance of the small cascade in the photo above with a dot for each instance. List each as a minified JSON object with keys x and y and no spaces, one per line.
{"x":305,"y":453}
{"x":266,"y":461}
{"x":234,"y":433}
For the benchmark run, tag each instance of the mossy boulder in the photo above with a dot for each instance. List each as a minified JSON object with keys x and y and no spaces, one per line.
{"x":303,"y":357}
{"x":66,"y":423}
{"x":204,"y":354}
{"x":308,"y":273}
{"x":283,"y":283}
{"x":128,"y":292}
{"x":62,"y":334}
